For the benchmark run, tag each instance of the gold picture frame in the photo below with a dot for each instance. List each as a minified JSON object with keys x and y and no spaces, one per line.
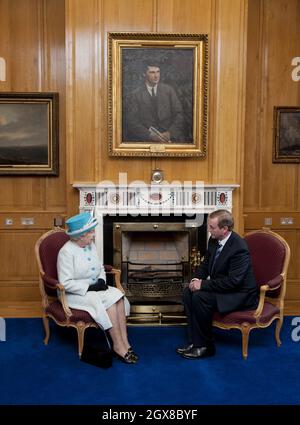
{"x":171,"y":121}
{"x":286,"y":139}
{"x":29,"y":131}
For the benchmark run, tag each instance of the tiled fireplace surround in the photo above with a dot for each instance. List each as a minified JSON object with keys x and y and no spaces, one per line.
{"x":156,"y":235}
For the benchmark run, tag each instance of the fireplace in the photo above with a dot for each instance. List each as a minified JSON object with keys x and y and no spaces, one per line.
{"x":154,"y":259}
{"x":157,"y":259}
{"x":156,"y":235}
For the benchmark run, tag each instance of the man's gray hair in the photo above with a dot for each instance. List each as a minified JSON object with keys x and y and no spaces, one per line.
{"x":224,"y":219}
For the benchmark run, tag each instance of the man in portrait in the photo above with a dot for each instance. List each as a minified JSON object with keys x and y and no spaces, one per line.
{"x":153,"y":111}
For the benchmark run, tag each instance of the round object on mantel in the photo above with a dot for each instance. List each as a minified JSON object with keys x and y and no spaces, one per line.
{"x":157,"y":176}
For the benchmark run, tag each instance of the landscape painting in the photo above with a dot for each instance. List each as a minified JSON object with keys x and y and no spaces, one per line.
{"x":29,"y":133}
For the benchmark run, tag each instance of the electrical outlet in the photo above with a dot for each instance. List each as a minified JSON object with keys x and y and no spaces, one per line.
{"x":27,"y":221}
{"x":286,"y":220}
{"x":268,"y":221}
{"x":58,"y":221}
{"x":9,"y":222}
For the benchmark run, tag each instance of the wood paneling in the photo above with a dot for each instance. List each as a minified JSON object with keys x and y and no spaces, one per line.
{"x":272,"y":190}
{"x":83,"y":162}
{"x":253,"y":115}
{"x":32,"y":41}
{"x":268,"y":186}
{"x":54,"y":79}
{"x":118,"y":17}
{"x":279,"y":90}
{"x":185,"y":17}
{"x":21,"y":308}
{"x":87,"y":27}
{"x":18,"y":282}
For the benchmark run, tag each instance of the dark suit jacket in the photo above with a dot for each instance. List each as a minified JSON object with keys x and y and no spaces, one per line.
{"x":140,"y":114}
{"x":232,"y":278}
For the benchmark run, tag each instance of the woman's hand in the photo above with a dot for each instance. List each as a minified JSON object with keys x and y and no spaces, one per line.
{"x":99,"y":286}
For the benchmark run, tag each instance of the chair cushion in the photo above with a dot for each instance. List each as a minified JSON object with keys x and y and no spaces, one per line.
{"x":49,"y":250}
{"x":55,"y":309}
{"x":239,"y":317}
{"x":268,"y":255}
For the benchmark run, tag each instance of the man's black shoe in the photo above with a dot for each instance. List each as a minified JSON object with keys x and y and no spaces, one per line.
{"x":181,"y":350}
{"x":199,"y":353}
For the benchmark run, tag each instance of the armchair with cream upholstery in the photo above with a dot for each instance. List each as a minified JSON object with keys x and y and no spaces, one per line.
{"x":46,"y":251}
{"x":270,"y":255}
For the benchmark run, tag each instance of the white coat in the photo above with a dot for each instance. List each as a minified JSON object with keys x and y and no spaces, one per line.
{"x":78,"y":268}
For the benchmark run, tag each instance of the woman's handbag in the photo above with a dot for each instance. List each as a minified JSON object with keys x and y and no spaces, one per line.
{"x":96,"y":349}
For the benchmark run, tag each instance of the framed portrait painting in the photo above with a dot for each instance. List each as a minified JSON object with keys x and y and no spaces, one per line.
{"x":157,"y":94}
{"x":286,"y":143}
{"x":29,"y":133}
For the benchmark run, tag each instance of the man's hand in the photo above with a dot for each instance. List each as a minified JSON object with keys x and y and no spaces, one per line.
{"x":195,"y":285}
{"x":166,"y":136}
{"x":157,"y":136}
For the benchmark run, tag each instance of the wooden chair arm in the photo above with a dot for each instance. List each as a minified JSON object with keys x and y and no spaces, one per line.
{"x":53,"y":284}
{"x":117,"y":276}
{"x":273,"y":285}
{"x":63,"y":300}
{"x":49,"y":281}
{"x":262,"y":295}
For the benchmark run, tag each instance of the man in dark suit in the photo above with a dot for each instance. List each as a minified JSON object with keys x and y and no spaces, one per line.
{"x":224,"y":282}
{"x":153,"y":111}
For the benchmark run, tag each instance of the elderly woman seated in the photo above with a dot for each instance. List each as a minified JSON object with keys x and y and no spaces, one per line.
{"x":84,"y":279}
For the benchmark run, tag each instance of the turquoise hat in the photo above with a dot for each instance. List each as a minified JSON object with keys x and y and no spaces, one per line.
{"x":80,"y":224}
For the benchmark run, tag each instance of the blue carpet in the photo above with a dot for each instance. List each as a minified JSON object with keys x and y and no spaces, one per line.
{"x":34,"y":374}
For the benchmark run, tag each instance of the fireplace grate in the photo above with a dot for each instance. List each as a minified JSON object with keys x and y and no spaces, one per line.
{"x":155,"y":280}
{"x":154,"y":290}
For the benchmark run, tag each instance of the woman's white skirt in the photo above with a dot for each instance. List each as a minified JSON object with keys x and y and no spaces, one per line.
{"x":96,"y":304}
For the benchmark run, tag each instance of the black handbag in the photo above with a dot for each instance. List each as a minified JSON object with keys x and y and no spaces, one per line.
{"x":96,"y":349}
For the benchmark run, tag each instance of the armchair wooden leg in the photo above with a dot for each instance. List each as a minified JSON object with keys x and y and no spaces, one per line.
{"x":245,"y":338}
{"x":277,"y":331}
{"x":47,"y":329}
{"x":80,"y":333}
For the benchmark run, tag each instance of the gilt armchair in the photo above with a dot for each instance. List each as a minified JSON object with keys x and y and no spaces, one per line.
{"x":270,"y":255}
{"x":46,"y":251}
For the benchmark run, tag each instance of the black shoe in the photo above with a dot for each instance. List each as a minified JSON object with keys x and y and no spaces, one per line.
{"x":185,"y":349}
{"x":128,"y":358}
{"x":199,"y":353}
{"x":133,"y":354}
